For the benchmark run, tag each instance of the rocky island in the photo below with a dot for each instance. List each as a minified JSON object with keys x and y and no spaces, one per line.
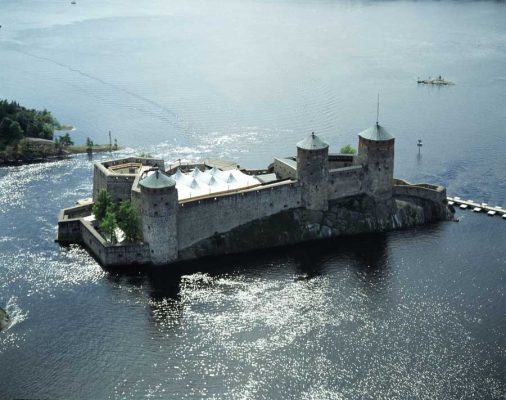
{"x":4,"y":319}
{"x":185,"y":212}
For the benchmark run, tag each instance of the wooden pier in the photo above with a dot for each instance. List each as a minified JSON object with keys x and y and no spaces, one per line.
{"x":477,"y":207}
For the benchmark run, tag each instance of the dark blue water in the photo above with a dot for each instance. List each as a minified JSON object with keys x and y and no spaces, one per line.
{"x":410,"y":314}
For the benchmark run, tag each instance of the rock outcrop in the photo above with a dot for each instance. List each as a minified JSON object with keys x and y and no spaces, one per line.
{"x":348,"y":216}
{"x":4,"y":319}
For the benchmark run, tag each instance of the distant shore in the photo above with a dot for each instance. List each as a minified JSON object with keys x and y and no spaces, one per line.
{"x":66,"y":153}
{"x":98,"y":148}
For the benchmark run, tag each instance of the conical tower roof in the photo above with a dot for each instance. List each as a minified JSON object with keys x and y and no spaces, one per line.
{"x":157,"y":180}
{"x":376,"y":133}
{"x":312,"y":142}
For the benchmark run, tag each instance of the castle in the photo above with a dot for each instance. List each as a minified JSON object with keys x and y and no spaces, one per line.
{"x":213,"y":207}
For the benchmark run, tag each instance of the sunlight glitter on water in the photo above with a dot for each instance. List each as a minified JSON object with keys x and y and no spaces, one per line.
{"x":261,"y":326}
{"x":44,"y":273}
{"x":8,"y":337}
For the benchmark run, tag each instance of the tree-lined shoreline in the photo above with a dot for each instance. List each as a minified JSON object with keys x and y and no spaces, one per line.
{"x":28,"y":136}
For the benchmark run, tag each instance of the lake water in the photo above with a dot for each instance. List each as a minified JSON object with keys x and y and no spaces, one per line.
{"x":411,"y":314}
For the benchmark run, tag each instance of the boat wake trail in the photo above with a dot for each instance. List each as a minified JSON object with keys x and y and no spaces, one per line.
{"x":168,"y":116}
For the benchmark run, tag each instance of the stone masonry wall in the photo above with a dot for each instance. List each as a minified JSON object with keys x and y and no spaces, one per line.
{"x":345,"y":182}
{"x":113,"y":254}
{"x":284,"y":170}
{"x":118,"y":185}
{"x":201,"y":219}
{"x":436,"y":194}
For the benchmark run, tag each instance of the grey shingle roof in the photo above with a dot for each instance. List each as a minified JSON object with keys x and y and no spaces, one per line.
{"x":376,"y":132}
{"x":312,"y":142}
{"x":157,"y":180}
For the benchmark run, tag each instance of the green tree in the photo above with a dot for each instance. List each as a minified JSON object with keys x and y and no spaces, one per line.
{"x":10,"y":131}
{"x":65,"y":140}
{"x":347,"y":150}
{"x":108,"y":226}
{"x":128,"y":221}
{"x":102,"y":205}
{"x":23,"y":148}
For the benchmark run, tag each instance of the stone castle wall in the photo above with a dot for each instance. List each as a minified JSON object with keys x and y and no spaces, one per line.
{"x":201,"y":219}
{"x":341,"y":160}
{"x":283,"y":169}
{"x":346,"y":216}
{"x":345,"y":182}
{"x":118,"y":185}
{"x":113,"y":254}
{"x":436,"y":194}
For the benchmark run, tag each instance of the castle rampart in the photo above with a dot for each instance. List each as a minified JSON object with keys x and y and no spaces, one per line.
{"x":434,"y":193}
{"x":285,"y":168}
{"x":341,"y":160}
{"x":117,"y":176}
{"x":346,"y":181}
{"x":200,"y":219}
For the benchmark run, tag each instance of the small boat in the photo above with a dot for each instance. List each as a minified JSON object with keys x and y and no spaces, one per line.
{"x":436,"y":81}
{"x":73,"y":2}
{"x":477,"y":209}
{"x":451,"y":203}
{"x":457,"y":198}
{"x":484,"y":204}
{"x":491,"y":213}
{"x":463,"y":206}
{"x":504,"y":216}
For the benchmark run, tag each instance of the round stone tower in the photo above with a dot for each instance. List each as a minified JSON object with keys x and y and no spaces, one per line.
{"x":313,"y":172}
{"x":159,"y":216}
{"x":376,"y":154}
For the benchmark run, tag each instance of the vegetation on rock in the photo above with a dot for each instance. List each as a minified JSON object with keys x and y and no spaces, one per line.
{"x":110,"y":216}
{"x":102,"y":204}
{"x":347,"y":149}
{"x":108,"y":226}
{"x":128,"y":221}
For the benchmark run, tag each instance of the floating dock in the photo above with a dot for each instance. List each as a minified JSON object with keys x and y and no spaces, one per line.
{"x":477,"y":207}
